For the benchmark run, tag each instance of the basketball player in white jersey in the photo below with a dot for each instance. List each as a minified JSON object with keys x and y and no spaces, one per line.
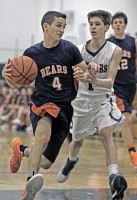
{"x":95,"y":106}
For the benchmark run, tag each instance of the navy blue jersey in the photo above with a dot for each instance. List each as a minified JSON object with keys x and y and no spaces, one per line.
{"x":54,"y":82}
{"x":127,"y":69}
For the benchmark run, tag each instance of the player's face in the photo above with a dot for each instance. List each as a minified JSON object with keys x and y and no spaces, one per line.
{"x":55,"y":31}
{"x":97,"y":28}
{"x":118,"y":26}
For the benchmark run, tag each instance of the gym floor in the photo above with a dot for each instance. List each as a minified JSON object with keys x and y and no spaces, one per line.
{"x":89,"y":179}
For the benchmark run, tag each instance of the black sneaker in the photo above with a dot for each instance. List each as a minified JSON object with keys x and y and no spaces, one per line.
{"x":118,"y":185}
{"x":63,"y":173}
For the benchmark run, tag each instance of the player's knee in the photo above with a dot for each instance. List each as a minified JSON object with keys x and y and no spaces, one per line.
{"x":106,"y":135}
{"x":45,"y":163}
{"x":128,"y":122}
{"x":77,"y":144}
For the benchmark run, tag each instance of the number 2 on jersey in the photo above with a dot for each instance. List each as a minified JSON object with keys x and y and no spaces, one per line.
{"x":123,"y":64}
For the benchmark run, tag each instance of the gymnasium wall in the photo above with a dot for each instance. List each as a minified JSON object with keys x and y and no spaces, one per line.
{"x":20,"y":21}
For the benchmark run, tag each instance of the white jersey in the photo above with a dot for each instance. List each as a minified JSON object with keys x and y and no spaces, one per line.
{"x":95,"y":108}
{"x":103,"y":57}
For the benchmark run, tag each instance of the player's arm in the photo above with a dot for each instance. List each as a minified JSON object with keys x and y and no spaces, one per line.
{"x":136,"y":51}
{"x":81,"y":72}
{"x":113,"y":67}
{"x":83,"y":66}
{"x":6,"y":74}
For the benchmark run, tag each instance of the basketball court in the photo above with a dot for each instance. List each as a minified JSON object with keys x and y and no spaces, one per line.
{"x":88,"y":181}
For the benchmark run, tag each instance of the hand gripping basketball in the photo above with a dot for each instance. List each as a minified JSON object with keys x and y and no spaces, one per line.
{"x":24,"y":70}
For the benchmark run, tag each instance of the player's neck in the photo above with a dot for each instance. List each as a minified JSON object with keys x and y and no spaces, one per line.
{"x":50,"y":44}
{"x":120,"y":36}
{"x":94,"y":45}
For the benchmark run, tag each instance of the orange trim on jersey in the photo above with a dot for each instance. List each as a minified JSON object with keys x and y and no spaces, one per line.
{"x":119,"y":103}
{"x":49,"y":108}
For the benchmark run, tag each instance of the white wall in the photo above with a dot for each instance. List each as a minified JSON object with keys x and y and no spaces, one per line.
{"x":20,"y":21}
{"x":18,"y":26}
{"x":81,"y":9}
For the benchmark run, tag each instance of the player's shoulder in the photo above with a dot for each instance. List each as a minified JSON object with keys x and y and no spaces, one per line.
{"x":66,"y":43}
{"x":81,"y":46}
{"x":37,"y":45}
{"x":110,"y":38}
{"x":67,"y":46}
{"x":34,"y":48}
{"x":112,"y":47}
{"x":130,"y":38}
{"x":111,"y":44}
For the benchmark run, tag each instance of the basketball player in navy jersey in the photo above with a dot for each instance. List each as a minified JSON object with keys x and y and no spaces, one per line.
{"x":51,"y":109}
{"x":125,"y":81}
{"x":95,"y":106}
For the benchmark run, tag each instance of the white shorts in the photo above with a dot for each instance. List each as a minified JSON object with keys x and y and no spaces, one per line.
{"x":90,"y":114}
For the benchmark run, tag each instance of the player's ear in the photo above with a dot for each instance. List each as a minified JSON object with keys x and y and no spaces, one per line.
{"x":107,"y":27}
{"x":8,"y":61}
{"x":45,"y":25}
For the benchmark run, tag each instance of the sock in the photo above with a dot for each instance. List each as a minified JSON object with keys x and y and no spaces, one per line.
{"x":26,"y":152}
{"x":30,"y":175}
{"x":73,"y":158}
{"x":113,"y":169}
{"x":131,"y":147}
{"x":24,"y":149}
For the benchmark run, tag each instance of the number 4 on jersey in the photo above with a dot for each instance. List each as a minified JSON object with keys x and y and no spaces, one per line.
{"x":56,"y":84}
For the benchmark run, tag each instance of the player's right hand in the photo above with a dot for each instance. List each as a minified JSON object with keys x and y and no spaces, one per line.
{"x":6,"y":74}
{"x":6,"y":71}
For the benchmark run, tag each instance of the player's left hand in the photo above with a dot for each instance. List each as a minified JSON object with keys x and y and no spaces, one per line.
{"x":93,"y":68}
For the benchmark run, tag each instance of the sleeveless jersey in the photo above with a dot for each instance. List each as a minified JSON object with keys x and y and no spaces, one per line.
{"x":54,"y":82}
{"x":103,"y":57}
{"x":127,"y":69}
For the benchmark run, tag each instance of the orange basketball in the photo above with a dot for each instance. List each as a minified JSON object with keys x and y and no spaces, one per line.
{"x":24,"y":70}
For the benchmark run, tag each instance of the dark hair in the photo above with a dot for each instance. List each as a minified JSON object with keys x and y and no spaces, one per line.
{"x":120,"y":15}
{"x":49,"y":17}
{"x":102,"y":14}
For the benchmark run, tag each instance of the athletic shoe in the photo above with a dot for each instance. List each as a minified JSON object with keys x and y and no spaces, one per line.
{"x":133,"y":158}
{"x":118,"y":185}
{"x":17,"y":155}
{"x":16,"y":121}
{"x":65,"y":170}
{"x":4,"y":127}
{"x":4,"y":117}
{"x":32,"y":187}
{"x":29,"y":129}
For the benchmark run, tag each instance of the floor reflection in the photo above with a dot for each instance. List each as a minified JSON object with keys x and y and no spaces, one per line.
{"x":66,"y":194}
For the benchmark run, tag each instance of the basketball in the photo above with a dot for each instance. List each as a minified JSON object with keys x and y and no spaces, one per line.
{"x":24,"y":70}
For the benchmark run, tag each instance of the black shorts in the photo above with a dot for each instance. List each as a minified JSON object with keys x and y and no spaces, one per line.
{"x":127,"y":94}
{"x":60,"y":129}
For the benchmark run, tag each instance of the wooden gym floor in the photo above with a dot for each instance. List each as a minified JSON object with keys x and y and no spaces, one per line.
{"x":88,"y":181}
